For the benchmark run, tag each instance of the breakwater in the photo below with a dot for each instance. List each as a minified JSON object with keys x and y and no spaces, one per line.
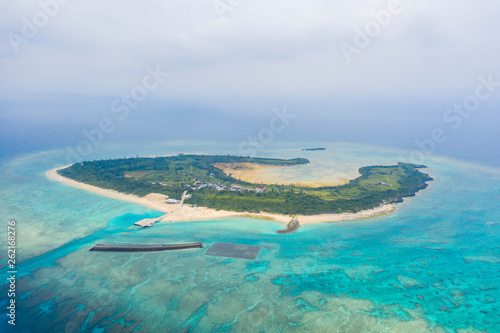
{"x":144,"y":248}
{"x":290,"y":227}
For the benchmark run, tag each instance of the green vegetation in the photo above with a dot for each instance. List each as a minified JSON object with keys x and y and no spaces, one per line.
{"x":211,"y":187}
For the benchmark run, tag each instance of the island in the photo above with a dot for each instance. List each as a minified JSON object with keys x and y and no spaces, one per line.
{"x":199,"y":186}
{"x":313,"y":149}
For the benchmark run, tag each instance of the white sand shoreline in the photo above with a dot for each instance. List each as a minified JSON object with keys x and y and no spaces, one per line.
{"x":175,"y":213}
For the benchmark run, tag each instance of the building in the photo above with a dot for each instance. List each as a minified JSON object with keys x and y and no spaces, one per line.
{"x":234,"y":187}
{"x":172,"y":201}
{"x":260,"y":189}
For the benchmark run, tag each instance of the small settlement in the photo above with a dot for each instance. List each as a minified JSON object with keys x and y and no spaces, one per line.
{"x":216,"y":186}
{"x":198,"y":184}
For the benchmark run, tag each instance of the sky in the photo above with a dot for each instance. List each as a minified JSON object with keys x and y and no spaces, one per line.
{"x":65,"y":62}
{"x":258,"y":46}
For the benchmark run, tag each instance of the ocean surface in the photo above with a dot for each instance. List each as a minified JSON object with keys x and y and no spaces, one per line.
{"x":431,"y":266}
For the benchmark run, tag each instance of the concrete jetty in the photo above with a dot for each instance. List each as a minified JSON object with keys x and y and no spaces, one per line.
{"x":144,"y":248}
{"x":146,"y":222}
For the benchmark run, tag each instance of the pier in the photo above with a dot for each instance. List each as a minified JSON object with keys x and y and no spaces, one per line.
{"x":144,"y":248}
{"x":146,"y":222}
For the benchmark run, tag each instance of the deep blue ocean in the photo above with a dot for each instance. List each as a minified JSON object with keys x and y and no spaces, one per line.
{"x":433,"y":265}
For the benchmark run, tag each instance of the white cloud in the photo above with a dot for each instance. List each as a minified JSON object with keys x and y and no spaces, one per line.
{"x":282,"y":47}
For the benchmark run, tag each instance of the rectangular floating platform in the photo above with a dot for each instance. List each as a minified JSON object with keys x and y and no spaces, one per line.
{"x":232,"y":250}
{"x":144,"y":248}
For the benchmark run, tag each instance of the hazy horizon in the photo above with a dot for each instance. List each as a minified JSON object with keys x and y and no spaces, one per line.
{"x":62,"y":121}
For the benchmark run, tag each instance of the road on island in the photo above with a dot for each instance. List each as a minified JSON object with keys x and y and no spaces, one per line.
{"x":182,"y":198}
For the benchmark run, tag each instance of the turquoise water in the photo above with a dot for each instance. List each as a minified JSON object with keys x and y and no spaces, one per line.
{"x":431,"y":266}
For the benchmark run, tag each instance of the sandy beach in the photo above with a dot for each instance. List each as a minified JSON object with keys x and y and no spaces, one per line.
{"x":175,"y":213}
{"x":153,"y":200}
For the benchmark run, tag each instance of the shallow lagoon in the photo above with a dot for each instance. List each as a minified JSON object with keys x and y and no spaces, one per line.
{"x":433,"y":265}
